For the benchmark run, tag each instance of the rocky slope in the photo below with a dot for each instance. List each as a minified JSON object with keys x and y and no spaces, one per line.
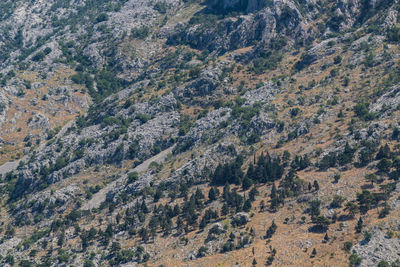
{"x":190,"y":133}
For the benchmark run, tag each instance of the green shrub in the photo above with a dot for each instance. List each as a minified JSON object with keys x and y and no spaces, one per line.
{"x":361,"y":110}
{"x":143,"y":118}
{"x":305,"y":61}
{"x":39,"y":56}
{"x":337,"y":60}
{"x":393,"y":34}
{"x":267,"y":61}
{"x":132,"y":177}
{"x":383,"y":263}
{"x":140,"y":33}
{"x":102,"y":17}
{"x":161,"y":7}
{"x":347,"y":246}
{"x":355,"y":260}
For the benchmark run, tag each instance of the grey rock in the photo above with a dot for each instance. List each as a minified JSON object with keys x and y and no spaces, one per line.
{"x":39,"y":121}
{"x":242,"y":216}
{"x":387,"y":102}
{"x":263,"y":26}
{"x":262,"y":95}
{"x":204,"y":85}
{"x":236,"y":5}
{"x":378,"y":248}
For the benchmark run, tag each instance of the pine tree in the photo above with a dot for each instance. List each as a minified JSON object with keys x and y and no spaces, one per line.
{"x":396,"y":133}
{"x":271,"y":230}
{"x":352,"y":208}
{"x":372,"y":178}
{"x":316,"y":185}
{"x":143,"y":207}
{"x":384,"y":152}
{"x":179,"y":225}
{"x":109,"y":231}
{"x":118,"y":218}
{"x":309,"y":187}
{"x":313,"y":253}
{"x":247,"y":205}
{"x":254,"y":262}
{"x":183,"y":189}
{"x":347,"y":155}
{"x":61,"y":239}
{"x":262,"y":205}
{"x":226,"y":192}
{"x":143,"y":233}
{"x":359,"y":225}
{"x":231,"y":236}
{"x":217,"y":176}
{"x":286,"y":156}
{"x":385,"y":211}
{"x":166,"y":225}
{"x":250,"y":172}
{"x":211,"y":194}
{"x":216,"y":191}
{"x":253,"y":193}
{"x":274,"y":198}
{"x":192,"y":218}
{"x":315,"y":207}
{"x":176,"y":210}
{"x":215,"y":214}
{"x":199,"y":194}
{"x":224,"y":210}
{"x":384,"y":165}
{"x":153,"y":224}
{"x":326,"y":237}
{"x":158,"y":194}
{"x":203,"y":223}
{"x":246,"y":183}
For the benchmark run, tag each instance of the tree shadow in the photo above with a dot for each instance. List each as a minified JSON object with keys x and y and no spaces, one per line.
{"x":345,"y":217}
{"x":367,"y":186}
{"x":317,"y":229}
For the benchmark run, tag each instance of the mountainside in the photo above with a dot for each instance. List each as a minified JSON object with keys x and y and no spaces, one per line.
{"x":199,"y":133}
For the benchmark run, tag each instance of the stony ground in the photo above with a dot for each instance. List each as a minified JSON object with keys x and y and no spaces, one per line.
{"x":112,"y":112}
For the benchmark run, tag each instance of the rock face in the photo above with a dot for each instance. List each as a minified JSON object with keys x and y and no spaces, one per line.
{"x":388,"y":102}
{"x":226,"y":6}
{"x":141,"y":140}
{"x":173,"y":114}
{"x":380,"y":247}
{"x":39,"y":121}
{"x":3,"y":107}
{"x":280,"y":18}
{"x":204,"y":85}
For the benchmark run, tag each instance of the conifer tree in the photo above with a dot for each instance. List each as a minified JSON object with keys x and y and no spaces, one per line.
{"x":211,"y":194}
{"x":253,"y":193}
{"x":359,"y":225}
{"x":247,"y":205}
{"x":224,"y":210}
{"x":316,"y":185}
{"x":314,"y":252}
{"x":326,"y":237}
{"x":246,"y":183}
{"x":274,"y":198}
{"x":271,"y":230}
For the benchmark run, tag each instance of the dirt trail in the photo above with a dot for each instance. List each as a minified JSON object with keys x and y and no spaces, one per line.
{"x":10,"y":166}
{"x":100,"y":196}
{"x":13,"y":165}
